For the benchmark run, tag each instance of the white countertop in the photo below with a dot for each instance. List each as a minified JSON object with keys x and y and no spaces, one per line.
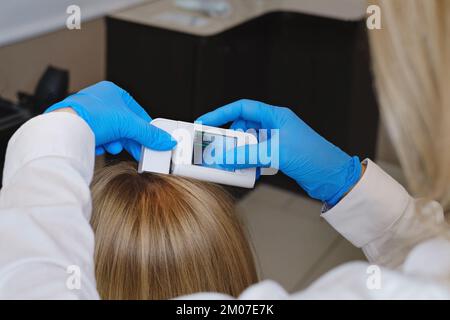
{"x":164,"y":14}
{"x":24,"y":19}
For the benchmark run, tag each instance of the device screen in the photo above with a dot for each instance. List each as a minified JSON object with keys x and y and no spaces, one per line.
{"x":206,"y":145}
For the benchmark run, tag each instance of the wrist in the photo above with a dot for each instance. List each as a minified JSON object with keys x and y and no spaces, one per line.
{"x":363,"y":170}
{"x":351,"y":174}
{"x":67,"y":109}
{"x":75,"y":104}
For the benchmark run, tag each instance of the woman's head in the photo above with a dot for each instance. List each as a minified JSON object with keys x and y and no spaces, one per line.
{"x":160,"y":236}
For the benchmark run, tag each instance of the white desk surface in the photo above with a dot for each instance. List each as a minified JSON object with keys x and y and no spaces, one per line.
{"x":164,"y":14}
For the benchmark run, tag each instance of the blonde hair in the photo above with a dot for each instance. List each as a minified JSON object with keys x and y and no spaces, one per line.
{"x":411,"y":61}
{"x":160,"y":236}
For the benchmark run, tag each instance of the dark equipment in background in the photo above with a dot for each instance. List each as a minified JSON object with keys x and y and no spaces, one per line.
{"x":52,"y":87}
{"x":318,"y":67}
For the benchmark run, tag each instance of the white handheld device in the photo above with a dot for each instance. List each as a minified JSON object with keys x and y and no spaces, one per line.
{"x":194,"y":141}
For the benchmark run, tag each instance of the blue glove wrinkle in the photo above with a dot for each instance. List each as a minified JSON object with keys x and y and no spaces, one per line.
{"x":350,"y":175}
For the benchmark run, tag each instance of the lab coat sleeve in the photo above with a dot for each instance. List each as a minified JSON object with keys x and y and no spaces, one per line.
{"x":380,"y":217}
{"x":46,"y":242}
{"x":406,"y":241}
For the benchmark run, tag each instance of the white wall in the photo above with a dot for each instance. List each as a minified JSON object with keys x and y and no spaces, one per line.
{"x":22,"y":19}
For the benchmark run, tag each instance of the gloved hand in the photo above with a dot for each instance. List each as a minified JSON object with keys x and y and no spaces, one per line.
{"x":324,"y":171}
{"x":116,"y":119}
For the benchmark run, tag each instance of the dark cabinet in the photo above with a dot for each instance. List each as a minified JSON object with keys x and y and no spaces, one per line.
{"x":318,"y":67}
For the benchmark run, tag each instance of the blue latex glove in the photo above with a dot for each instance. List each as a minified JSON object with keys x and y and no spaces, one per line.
{"x":324,"y":171}
{"x":116,"y":119}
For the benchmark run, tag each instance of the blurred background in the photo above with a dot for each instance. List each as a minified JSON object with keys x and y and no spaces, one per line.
{"x":182,"y":58}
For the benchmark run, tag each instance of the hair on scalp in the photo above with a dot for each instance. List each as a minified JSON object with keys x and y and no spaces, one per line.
{"x":162,"y":236}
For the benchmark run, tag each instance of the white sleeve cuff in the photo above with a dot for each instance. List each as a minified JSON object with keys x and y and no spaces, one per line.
{"x":376,"y":202}
{"x":54,"y":134}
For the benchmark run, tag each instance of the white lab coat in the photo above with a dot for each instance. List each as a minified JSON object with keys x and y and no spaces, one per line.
{"x":45,"y":207}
